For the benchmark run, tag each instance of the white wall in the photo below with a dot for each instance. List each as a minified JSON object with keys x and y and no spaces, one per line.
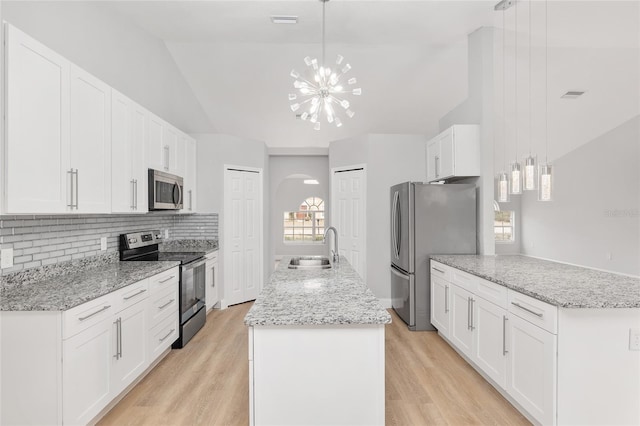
{"x":287,"y":193}
{"x":389,"y":159}
{"x":595,"y":207}
{"x":96,"y":38}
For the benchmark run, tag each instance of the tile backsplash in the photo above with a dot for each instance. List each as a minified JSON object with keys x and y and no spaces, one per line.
{"x":46,"y":240}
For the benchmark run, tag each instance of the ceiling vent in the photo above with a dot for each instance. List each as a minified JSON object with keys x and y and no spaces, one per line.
{"x":284,"y":19}
{"x":572,"y":94}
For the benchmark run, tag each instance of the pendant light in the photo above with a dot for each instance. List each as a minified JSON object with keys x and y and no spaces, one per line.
{"x":529,"y":182}
{"x":515,"y":176}
{"x":503,"y":177}
{"x":545,"y":186}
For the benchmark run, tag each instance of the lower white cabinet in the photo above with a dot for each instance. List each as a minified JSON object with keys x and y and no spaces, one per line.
{"x":440,"y":291}
{"x":85,"y":356}
{"x":490,"y":339}
{"x":461,"y":332}
{"x":212,"y":295}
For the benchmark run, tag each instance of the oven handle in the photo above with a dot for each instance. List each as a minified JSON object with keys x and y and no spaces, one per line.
{"x":196,"y":263}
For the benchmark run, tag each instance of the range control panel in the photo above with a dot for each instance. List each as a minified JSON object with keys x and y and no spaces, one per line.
{"x":141,"y":239}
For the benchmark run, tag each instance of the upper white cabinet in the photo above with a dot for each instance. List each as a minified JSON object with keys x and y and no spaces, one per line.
{"x":190,"y":158}
{"x":129,"y":135}
{"x":454,"y":153}
{"x":36,"y":158}
{"x":90,"y":140}
{"x":165,"y":150}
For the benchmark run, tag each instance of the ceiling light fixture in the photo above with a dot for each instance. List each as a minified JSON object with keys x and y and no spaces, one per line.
{"x":503,"y":177}
{"x":545,"y":186}
{"x":530,"y":168}
{"x":322,"y":93}
{"x":516,"y":170}
{"x":284,"y":19}
{"x":573,"y":94}
{"x":311,"y":182}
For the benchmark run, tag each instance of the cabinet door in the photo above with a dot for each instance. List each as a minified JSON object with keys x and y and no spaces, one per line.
{"x":139,"y":142}
{"x":440,"y":305}
{"x":171,"y":159}
{"x":37,"y":119}
{"x":460,"y":331}
{"x":531,"y":368}
{"x":90,"y":140}
{"x":86,"y":373}
{"x":189,"y":175}
{"x":433,"y":154}
{"x":122,"y":180}
{"x":446,"y":161}
{"x":211,"y":279}
{"x":489,"y":348}
{"x":131,"y":344}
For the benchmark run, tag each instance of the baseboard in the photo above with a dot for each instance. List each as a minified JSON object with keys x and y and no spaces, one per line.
{"x":386,"y":303}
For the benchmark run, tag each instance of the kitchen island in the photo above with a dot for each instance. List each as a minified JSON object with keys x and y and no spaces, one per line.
{"x":556,"y":340}
{"x":316,"y":349}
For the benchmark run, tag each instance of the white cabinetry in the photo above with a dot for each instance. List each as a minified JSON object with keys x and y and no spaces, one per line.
{"x":489,"y":349}
{"x":454,"y":153}
{"x":36,"y":159}
{"x":211,"y":280}
{"x":91,"y":352}
{"x":461,"y":332}
{"x":166,"y":151}
{"x":190,"y":160}
{"x":440,"y":292}
{"x":129,"y":134}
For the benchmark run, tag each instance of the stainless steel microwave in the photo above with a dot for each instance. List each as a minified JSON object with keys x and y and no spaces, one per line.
{"x":165,"y":191}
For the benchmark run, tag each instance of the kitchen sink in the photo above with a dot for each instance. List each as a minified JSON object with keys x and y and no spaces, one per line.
{"x":310,"y":262}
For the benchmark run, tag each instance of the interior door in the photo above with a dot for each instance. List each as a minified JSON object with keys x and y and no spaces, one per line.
{"x":243,"y":230}
{"x":348,"y":215}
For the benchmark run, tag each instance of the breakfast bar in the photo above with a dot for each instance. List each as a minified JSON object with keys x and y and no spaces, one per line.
{"x":316,"y":349}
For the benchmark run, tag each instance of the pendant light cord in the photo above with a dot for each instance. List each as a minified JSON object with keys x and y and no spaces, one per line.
{"x":324,"y":2}
{"x":530,"y":74}
{"x":546,"y":82}
{"x":516,"y":76}
{"x":504,"y":87}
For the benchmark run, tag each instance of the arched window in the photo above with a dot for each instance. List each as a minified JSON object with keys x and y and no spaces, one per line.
{"x":306,"y":225}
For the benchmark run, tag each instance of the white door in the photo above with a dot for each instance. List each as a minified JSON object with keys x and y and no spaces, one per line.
{"x":489,"y":349}
{"x":131,"y":344}
{"x":348,"y":205}
{"x":440,"y":305}
{"x":460,"y":331}
{"x":531,"y":368}
{"x":37,"y":119}
{"x":90,"y":140}
{"x":243,"y":230}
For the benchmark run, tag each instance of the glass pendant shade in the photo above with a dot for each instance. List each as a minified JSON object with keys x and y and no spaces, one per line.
{"x":503,"y":187}
{"x":545,"y":186}
{"x":530,"y":172}
{"x":516,"y":179}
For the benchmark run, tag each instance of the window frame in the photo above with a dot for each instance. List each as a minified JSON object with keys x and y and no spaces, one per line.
{"x":512,"y":226}
{"x":316,"y":237}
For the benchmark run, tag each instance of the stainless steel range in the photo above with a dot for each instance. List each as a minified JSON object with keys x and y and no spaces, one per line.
{"x":144,"y":246}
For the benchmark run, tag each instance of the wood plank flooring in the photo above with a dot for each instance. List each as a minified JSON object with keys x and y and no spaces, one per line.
{"x":207,"y":382}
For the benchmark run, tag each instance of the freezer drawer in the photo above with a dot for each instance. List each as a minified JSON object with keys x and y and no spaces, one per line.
{"x":402,"y":291}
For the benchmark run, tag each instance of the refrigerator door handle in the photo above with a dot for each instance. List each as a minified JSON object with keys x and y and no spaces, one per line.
{"x":394,"y":224}
{"x":394,"y":271}
{"x":398,"y":227}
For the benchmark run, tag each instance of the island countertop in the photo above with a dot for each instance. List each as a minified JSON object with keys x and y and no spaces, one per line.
{"x":316,"y":297}
{"x":559,"y":284}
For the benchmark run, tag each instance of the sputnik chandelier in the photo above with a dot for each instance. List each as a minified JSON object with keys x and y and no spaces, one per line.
{"x":323,"y":93}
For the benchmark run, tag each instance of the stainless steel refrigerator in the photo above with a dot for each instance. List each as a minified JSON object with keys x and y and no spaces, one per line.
{"x":426,"y":219}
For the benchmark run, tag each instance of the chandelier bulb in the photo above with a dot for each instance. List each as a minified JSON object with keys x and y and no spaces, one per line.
{"x":352,"y":80}
{"x":307,"y":60}
{"x":304,"y":116}
{"x":292,"y":96}
{"x":344,"y":104}
{"x":338,"y":122}
{"x":314,"y":63}
{"x":357,"y":92}
{"x":350,"y":113}
{"x":295,"y":107}
{"x":346,"y":69}
{"x":339,"y":59}
{"x":294,"y":74}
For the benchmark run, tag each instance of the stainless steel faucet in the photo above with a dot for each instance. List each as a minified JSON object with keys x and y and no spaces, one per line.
{"x":336,"y":253}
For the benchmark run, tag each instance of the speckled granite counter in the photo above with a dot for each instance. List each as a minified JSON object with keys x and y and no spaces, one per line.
{"x":62,"y":292}
{"x":556,"y":283}
{"x":206,"y":246}
{"x":316,"y":297}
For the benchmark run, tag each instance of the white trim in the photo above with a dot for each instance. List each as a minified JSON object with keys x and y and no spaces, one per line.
{"x":225,"y":206}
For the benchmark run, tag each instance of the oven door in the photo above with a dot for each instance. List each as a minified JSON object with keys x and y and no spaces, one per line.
{"x":165,"y":191}
{"x":192,"y":285}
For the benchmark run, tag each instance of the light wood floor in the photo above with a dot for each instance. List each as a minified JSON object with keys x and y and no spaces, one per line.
{"x":207,"y":382}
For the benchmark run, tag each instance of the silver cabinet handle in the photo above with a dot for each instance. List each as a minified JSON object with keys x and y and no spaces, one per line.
{"x":439,"y":270}
{"x":538,"y":314}
{"x":446,"y":299}
{"x":166,"y":304}
{"x":73,"y":174}
{"x":473,"y":327}
{"x":166,"y":157}
{"x":104,"y":308}
{"x":504,"y":335}
{"x":162,"y":339}
{"x":133,"y":194}
{"x":437,"y":160}
{"x":190,"y":199}
{"x":213,"y":276}
{"x":468,"y":313}
{"x":118,"y":324}
{"x":135,"y":197}
{"x":77,"y":187}
{"x":70,"y":173}
{"x":167,"y":279}
{"x":142,"y":290}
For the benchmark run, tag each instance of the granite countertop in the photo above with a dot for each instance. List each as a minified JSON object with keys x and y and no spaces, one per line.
{"x":62,"y":292}
{"x":559,"y":284}
{"x":206,"y":246}
{"x":316,"y":297}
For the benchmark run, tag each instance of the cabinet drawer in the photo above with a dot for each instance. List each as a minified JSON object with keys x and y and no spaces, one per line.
{"x":464,"y":280}
{"x":163,"y":305}
{"x":131,"y":294}
{"x":492,"y":292}
{"x":440,"y":270}
{"x":212,"y":256}
{"x":162,"y":336}
{"x":533,"y":310}
{"x":88,"y":314}
{"x":165,"y":280}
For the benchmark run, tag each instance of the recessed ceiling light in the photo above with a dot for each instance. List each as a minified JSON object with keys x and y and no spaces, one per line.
{"x":311,"y":182}
{"x":284,"y":19}
{"x":573,"y":94}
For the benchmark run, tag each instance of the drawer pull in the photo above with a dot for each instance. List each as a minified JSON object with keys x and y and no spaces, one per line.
{"x":104,"y":308}
{"x":167,"y":279}
{"x":538,"y":314}
{"x":166,"y":304}
{"x":439,"y":270}
{"x":504,"y":335}
{"x":135,"y":294}
{"x":162,"y":339}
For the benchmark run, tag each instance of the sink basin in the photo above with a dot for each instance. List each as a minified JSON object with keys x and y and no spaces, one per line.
{"x":310,"y":262}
